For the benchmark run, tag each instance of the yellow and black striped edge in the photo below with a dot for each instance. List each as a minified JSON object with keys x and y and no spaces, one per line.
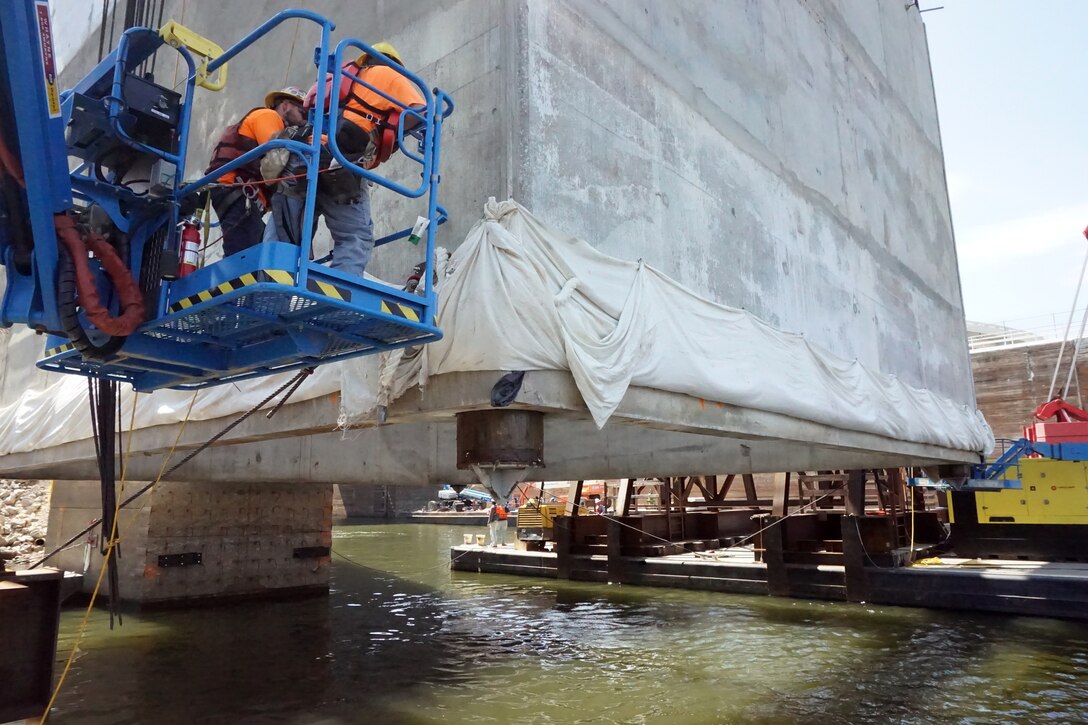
{"x":58,"y":350}
{"x":398,"y":310}
{"x":329,"y":290}
{"x":262,"y":275}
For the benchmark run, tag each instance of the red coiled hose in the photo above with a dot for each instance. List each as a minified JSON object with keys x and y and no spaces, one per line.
{"x":132,"y":302}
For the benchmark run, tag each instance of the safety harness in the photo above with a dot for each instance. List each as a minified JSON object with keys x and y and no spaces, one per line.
{"x":385,"y":122}
{"x":232,"y":144}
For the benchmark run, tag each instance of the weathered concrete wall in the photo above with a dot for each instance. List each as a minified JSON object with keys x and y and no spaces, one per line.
{"x":782,"y":156}
{"x":779,"y":156}
{"x":246,"y":534}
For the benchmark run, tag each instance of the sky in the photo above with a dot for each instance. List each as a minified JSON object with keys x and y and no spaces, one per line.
{"x":1009,"y":79}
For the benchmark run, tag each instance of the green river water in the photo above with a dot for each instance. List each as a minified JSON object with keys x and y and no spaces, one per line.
{"x":402,"y":639}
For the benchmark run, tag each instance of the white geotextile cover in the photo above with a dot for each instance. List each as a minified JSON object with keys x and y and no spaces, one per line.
{"x":43,"y":409}
{"x":518,"y":295}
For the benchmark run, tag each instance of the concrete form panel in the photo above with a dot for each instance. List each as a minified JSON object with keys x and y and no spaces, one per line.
{"x":246,"y":534}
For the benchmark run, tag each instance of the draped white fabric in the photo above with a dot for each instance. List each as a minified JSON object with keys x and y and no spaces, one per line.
{"x":517,"y":295}
{"x":521,"y":296}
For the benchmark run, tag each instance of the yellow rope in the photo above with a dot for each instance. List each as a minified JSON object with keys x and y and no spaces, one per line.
{"x":111,"y":543}
{"x":912,"y":507}
{"x":291,"y":55}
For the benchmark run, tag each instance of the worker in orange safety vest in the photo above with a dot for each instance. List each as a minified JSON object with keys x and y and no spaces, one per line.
{"x":241,"y":208}
{"x":496,"y":525}
{"x":366,"y":133}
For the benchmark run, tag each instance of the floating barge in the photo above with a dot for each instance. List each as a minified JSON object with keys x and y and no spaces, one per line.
{"x":858,"y":536}
{"x":455,"y":518}
{"x":1036,"y":588}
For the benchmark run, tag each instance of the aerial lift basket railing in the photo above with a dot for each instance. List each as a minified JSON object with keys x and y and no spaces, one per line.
{"x":266,"y":309}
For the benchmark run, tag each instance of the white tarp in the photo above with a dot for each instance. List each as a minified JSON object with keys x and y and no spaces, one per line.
{"x":517,"y":295}
{"x":47,"y":409}
{"x":521,"y":296}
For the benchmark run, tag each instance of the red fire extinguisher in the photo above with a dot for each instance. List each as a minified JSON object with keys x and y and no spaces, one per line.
{"x":189,"y":250}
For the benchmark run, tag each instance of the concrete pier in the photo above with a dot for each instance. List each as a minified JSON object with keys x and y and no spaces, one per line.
{"x":186,"y":541}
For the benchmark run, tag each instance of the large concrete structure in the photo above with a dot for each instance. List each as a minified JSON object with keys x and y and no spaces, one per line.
{"x":782,"y":156}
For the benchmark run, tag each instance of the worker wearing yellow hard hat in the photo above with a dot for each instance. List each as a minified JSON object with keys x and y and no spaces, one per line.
{"x":385,"y":49}
{"x":366,"y":132}
{"x":290,"y":93}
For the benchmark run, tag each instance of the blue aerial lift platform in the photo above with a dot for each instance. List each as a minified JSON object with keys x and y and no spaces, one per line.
{"x":267,"y":309}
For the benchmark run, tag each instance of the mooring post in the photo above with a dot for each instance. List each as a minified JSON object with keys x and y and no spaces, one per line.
{"x":563,"y":530}
{"x":615,"y":551}
{"x":853,"y":545}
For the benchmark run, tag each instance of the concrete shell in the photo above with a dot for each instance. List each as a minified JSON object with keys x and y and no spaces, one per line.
{"x":782,"y":156}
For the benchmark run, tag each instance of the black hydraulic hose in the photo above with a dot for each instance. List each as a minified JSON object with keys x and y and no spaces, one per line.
{"x":104,"y":399}
{"x":22,"y":241}
{"x":12,"y":192}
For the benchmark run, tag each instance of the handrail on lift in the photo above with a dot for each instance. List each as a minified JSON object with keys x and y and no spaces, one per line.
{"x":438,"y":107}
{"x":116,"y":99}
{"x":311,"y":152}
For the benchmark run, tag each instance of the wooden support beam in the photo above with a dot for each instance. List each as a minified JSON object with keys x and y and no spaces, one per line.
{"x":723,"y":491}
{"x":853,"y":559}
{"x":615,"y":552}
{"x":778,"y":580}
{"x":781,"y":501}
{"x":564,"y":532}
{"x":687,"y":488}
{"x":574,"y":496}
{"x":623,"y":497}
{"x":855,"y":492}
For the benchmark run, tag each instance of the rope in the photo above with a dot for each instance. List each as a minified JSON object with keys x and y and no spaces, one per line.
{"x":177,"y":56}
{"x":771,"y":525}
{"x":291,"y":55}
{"x":861,"y":543}
{"x":444,"y":565}
{"x":112,"y":543}
{"x":79,"y":637}
{"x":225,"y":184}
{"x":912,"y":507}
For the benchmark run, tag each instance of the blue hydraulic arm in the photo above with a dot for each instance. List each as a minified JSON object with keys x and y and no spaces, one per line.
{"x":34,"y":177}
{"x":994,"y":476}
{"x":269,"y":308}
